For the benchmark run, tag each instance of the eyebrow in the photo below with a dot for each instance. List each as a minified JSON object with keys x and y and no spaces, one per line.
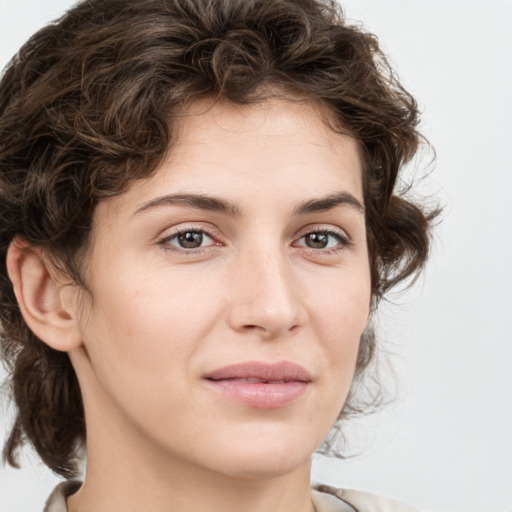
{"x":215,"y":204}
{"x":328,"y":203}
{"x":199,"y":201}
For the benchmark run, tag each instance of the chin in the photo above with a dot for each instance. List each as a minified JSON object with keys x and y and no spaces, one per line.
{"x":264,"y":466}
{"x":263,"y":456}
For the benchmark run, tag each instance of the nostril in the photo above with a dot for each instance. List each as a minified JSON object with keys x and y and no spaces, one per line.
{"x":252,"y":327}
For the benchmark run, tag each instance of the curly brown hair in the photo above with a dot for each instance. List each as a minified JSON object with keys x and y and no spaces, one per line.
{"x":89,"y":104}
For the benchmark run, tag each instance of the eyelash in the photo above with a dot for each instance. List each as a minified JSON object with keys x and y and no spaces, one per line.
{"x":343,"y":240}
{"x":165,"y":241}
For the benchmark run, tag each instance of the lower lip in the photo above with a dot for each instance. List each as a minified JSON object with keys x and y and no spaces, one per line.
{"x":262,"y":395}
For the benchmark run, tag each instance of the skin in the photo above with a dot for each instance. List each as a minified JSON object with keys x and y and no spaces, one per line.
{"x":160,"y":316}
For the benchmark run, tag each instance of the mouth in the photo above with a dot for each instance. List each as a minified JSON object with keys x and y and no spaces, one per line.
{"x":261,"y":385}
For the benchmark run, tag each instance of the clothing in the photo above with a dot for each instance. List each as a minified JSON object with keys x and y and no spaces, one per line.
{"x":360,"y":501}
{"x":326,"y":499}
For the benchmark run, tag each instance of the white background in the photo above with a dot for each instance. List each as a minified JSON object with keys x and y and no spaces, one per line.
{"x":446,"y":444}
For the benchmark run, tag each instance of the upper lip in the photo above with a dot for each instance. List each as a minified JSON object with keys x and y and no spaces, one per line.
{"x":282,"y":371}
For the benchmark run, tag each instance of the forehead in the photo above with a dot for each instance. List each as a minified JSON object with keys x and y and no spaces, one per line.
{"x":282,"y":149}
{"x":294,"y":118}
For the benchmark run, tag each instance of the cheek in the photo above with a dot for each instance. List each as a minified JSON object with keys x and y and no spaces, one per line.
{"x":340,"y":303}
{"x":148,"y":324}
{"x":339,"y":313}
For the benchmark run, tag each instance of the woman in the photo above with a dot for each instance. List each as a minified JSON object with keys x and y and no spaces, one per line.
{"x":198,"y":221}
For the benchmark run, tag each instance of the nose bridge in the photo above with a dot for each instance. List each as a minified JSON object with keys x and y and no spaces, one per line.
{"x":265,"y":295}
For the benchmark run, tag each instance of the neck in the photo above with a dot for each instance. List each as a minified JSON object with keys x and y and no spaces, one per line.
{"x":121,"y":484}
{"x":131,"y":491}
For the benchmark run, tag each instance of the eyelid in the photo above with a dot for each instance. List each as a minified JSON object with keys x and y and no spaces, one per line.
{"x":324,"y":228}
{"x":184,"y":228}
{"x":345,"y":239}
{"x":216,"y":237}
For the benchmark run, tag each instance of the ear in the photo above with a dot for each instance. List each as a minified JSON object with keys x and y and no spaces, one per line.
{"x":48,"y":306}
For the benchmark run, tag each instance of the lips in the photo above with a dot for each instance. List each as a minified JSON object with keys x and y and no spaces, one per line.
{"x":260,"y":385}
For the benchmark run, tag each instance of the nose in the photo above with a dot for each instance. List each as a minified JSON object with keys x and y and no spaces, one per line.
{"x":266,"y":297}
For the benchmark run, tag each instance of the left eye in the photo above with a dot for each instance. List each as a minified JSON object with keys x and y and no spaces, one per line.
{"x":189,"y":239}
{"x":321,"y":240}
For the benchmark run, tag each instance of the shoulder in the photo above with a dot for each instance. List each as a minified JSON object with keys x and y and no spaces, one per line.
{"x":361,"y":501}
{"x":57,"y":500}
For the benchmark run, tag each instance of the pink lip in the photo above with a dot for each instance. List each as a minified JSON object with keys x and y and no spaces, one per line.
{"x":261,"y":385}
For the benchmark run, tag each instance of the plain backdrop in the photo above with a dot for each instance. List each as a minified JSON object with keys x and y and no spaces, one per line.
{"x":446,"y":443}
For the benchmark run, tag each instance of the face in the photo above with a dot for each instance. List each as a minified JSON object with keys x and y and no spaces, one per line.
{"x":229,"y":292}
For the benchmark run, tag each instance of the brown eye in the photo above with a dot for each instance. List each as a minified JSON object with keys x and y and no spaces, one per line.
{"x":317,"y":240}
{"x":324,"y":240}
{"x":188,"y":239}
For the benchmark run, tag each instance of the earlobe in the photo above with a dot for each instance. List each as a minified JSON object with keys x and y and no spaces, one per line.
{"x":40,"y":296}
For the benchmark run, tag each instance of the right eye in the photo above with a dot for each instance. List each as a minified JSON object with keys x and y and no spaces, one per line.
{"x":188,"y":239}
